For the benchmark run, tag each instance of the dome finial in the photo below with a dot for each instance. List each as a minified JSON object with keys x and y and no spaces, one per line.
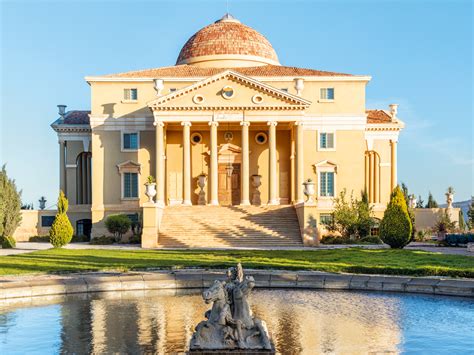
{"x":228,"y":18}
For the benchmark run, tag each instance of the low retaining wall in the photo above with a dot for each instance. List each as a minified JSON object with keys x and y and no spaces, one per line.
{"x":103,"y":282}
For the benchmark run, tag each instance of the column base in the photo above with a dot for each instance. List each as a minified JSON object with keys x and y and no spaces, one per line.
{"x":273,"y":202}
{"x":245,"y":203}
{"x":213,"y":203}
{"x":187,"y":203}
{"x":160,"y":203}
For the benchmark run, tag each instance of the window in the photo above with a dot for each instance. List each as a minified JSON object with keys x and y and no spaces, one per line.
{"x":172,"y":90}
{"x":284,"y":89}
{"x":47,"y":221}
{"x":130,"y":185}
{"x":325,"y":218}
{"x":130,"y":94}
{"x":326,"y":140}
{"x":326,"y":183}
{"x":130,"y":141}
{"x":327,"y":94}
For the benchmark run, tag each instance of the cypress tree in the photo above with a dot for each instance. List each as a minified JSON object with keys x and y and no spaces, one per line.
{"x":10,"y":205}
{"x":431,"y":202}
{"x":396,"y":227}
{"x":61,"y":231}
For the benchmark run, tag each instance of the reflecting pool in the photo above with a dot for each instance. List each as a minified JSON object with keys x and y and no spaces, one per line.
{"x":300,"y":321}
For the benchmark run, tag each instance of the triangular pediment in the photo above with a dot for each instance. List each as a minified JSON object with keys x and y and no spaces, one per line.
{"x":128,"y":166}
{"x":325,"y":164}
{"x":229,"y":90}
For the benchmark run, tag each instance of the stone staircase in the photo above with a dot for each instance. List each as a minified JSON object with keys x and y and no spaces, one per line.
{"x":229,"y":227}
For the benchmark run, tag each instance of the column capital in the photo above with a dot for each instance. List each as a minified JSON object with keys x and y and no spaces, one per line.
{"x":213,"y":123}
{"x":186,"y":123}
{"x":272,"y":123}
{"x":158,"y":124}
{"x":245,"y":123}
{"x":299,"y":123}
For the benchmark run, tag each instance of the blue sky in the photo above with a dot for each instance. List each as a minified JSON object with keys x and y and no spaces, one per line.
{"x":419,"y":54}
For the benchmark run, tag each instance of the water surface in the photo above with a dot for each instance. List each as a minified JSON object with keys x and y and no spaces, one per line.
{"x":300,"y":321}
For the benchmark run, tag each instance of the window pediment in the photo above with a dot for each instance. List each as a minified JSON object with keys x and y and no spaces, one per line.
{"x":129,"y":167}
{"x":325,"y":165}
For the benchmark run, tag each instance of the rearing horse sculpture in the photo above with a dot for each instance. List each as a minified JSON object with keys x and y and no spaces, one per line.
{"x":230,"y":324}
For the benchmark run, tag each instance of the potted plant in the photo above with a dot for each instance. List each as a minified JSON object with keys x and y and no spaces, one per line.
{"x":450,"y":197}
{"x":309,"y":190}
{"x":150,"y":186}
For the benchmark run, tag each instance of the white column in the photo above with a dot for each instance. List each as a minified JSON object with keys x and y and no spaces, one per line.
{"x":186,"y":164}
{"x":160,"y":163}
{"x":299,"y":162}
{"x":214,"y":167}
{"x":393,"y":164}
{"x":273,"y":196}
{"x":245,"y":191}
{"x":62,"y":165}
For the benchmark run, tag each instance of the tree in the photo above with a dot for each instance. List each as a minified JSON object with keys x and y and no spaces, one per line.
{"x":118,"y":224}
{"x":10,"y":204}
{"x":396,"y":227}
{"x":470,"y":214}
{"x":444,"y":224}
{"x":61,"y":230}
{"x":462,"y":222}
{"x":351,"y":218}
{"x":419,"y":202}
{"x":431,"y":202}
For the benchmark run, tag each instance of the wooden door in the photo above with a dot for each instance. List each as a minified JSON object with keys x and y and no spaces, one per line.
{"x":229,"y":187}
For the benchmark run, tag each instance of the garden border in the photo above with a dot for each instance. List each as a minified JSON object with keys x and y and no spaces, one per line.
{"x":200,"y":278}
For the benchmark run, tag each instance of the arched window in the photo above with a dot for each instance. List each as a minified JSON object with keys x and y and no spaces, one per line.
{"x":83,"y":179}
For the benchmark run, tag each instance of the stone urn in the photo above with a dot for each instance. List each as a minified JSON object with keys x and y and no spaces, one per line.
{"x":309,"y":191}
{"x":150,"y":188}
{"x":201,"y":182}
{"x":412,"y":201}
{"x":450,"y":197}
{"x":256,"y":183}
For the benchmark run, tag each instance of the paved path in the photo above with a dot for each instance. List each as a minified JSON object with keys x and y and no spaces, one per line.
{"x":27,"y":247}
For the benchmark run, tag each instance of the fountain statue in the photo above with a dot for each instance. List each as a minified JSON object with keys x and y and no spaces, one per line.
{"x":230,"y":325}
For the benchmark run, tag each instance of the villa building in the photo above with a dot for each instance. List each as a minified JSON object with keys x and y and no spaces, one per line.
{"x":231,"y":136}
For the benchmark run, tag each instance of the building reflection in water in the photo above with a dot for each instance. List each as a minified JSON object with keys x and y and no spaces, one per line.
{"x":163,"y":322}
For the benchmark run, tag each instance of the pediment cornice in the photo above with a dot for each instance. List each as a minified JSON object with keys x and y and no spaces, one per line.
{"x":288,"y":101}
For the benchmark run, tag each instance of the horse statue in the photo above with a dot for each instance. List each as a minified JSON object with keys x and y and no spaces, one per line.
{"x":230,"y":324}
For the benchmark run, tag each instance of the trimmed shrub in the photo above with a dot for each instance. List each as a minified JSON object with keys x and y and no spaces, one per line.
{"x":39,"y":239}
{"x":396,"y":227}
{"x":118,"y":224}
{"x":8,"y":242}
{"x":102,"y":240}
{"x":371,"y":239}
{"x":135,"y":239}
{"x":61,"y":230}
{"x":333,"y":239}
{"x":79,"y":239}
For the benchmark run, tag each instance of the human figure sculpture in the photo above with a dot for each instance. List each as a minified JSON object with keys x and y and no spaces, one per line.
{"x":230,"y":324}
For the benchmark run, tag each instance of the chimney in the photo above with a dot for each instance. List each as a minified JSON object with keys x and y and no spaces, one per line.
{"x":393,"y":110}
{"x":62,"y":111}
{"x":299,"y":86}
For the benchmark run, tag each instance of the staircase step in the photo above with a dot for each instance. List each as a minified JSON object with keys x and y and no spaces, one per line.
{"x":229,"y":226}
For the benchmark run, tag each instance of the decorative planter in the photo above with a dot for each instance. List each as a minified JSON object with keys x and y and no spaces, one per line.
{"x":256,"y":183}
{"x":449,"y":199}
{"x":201,"y":182}
{"x":309,"y":191}
{"x":150,"y":191}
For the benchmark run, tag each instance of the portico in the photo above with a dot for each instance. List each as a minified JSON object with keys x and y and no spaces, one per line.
{"x":247,"y":129}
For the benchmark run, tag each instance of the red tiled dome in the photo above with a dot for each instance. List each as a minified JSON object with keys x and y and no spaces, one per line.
{"x":228,"y":39}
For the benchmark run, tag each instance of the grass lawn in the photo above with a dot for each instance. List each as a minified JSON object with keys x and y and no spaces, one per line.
{"x":390,"y":262}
